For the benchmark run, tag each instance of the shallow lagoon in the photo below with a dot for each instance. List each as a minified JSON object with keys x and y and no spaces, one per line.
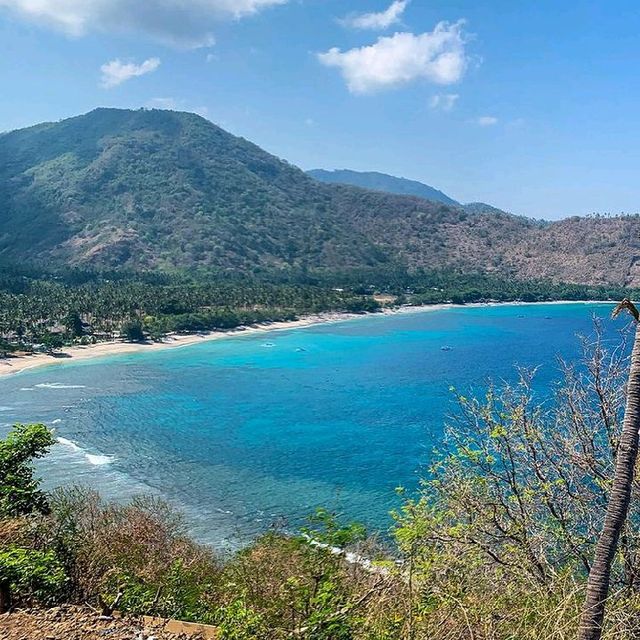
{"x":253,"y":429}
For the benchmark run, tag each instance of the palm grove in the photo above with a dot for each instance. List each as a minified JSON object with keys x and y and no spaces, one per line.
{"x":66,"y":306}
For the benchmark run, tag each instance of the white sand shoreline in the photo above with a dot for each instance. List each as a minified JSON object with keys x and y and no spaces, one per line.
{"x":10,"y":366}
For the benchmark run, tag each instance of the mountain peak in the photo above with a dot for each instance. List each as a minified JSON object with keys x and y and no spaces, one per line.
{"x":382,"y":182}
{"x":156,"y":189}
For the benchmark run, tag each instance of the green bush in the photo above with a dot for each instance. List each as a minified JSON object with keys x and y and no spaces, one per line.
{"x":28,"y":575}
{"x":238,"y":622}
{"x":327,"y":529}
{"x":133,"y":331}
{"x":19,"y":489}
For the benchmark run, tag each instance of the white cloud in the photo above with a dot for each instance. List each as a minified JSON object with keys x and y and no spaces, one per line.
{"x":487,"y":121}
{"x":377,"y":21}
{"x":184,"y":23}
{"x":444,"y":101}
{"x":437,"y":56}
{"x":116,"y":72}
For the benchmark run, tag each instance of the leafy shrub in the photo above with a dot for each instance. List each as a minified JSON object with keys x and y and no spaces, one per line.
{"x":28,"y":575}
{"x":133,"y":331}
{"x":328,"y":530}
{"x":238,"y":622}
{"x":140,"y":548}
{"x":19,"y":489}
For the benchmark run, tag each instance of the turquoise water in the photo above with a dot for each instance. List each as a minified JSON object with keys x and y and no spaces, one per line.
{"x":253,"y":429}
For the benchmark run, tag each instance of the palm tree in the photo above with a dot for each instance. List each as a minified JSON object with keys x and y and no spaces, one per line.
{"x":619,"y":496}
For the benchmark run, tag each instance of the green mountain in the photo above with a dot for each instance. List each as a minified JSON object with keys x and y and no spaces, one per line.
{"x":162,"y":189}
{"x":152,"y":189}
{"x":381,"y":182}
{"x":400,"y":186}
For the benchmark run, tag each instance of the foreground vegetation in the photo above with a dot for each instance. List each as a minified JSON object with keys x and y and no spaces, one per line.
{"x":69,"y":546}
{"x":497,"y":545}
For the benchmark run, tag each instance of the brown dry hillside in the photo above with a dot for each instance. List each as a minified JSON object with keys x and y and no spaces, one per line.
{"x":168,"y":190}
{"x":591,"y":250}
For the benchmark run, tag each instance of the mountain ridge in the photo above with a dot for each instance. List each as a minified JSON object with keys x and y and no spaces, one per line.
{"x":167,"y":190}
{"x":377,"y":181}
{"x":382,"y":182}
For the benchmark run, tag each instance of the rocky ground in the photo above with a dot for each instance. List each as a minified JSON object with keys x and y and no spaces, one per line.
{"x":79,"y":623}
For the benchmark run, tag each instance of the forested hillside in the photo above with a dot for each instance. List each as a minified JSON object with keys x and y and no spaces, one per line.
{"x":153,"y":189}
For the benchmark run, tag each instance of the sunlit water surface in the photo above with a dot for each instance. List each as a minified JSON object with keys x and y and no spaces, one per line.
{"x":243,"y":432}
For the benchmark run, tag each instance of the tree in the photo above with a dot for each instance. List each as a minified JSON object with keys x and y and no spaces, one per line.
{"x":30,"y":573}
{"x":20,"y":493}
{"x":619,"y":497}
{"x":133,"y":331}
{"x":52,"y":341}
{"x":73,"y":323}
{"x":508,"y":520}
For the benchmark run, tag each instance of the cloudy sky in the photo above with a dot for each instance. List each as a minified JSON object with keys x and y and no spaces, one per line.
{"x":530,"y":106}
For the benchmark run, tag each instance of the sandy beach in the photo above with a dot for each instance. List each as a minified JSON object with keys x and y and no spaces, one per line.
{"x":75,"y":353}
{"x":9,"y":366}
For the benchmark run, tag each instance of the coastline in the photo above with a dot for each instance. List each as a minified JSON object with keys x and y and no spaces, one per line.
{"x":14,"y":365}
{"x":76,"y":353}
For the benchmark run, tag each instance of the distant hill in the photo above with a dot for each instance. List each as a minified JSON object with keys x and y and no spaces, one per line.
{"x":381,"y":182}
{"x":481,"y":207}
{"x":153,"y":189}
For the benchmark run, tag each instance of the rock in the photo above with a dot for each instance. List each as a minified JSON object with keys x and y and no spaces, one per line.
{"x":78,"y":623}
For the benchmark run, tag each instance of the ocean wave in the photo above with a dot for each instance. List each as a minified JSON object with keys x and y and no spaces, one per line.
{"x":268,"y":345}
{"x":70,"y":444}
{"x":26,"y":389}
{"x":59,"y":385}
{"x":2,"y":408}
{"x":56,"y":421}
{"x":98,"y":461}
{"x":349,"y":556}
{"x":92,"y":458}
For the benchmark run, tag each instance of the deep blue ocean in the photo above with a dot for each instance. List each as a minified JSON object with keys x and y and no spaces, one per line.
{"x":250,"y":430}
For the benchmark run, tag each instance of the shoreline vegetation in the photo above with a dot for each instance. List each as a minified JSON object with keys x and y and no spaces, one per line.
{"x":14,"y":364}
{"x":60,"y":315}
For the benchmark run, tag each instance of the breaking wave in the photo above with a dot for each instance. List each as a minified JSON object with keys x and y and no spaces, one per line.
{"x":92,"y":458}
{"x":59,"y":385}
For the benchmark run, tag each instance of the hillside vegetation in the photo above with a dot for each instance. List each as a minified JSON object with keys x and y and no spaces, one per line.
{"x":154,"y":189}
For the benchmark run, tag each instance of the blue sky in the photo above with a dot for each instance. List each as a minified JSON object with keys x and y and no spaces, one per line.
{"x":530,"y":106}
